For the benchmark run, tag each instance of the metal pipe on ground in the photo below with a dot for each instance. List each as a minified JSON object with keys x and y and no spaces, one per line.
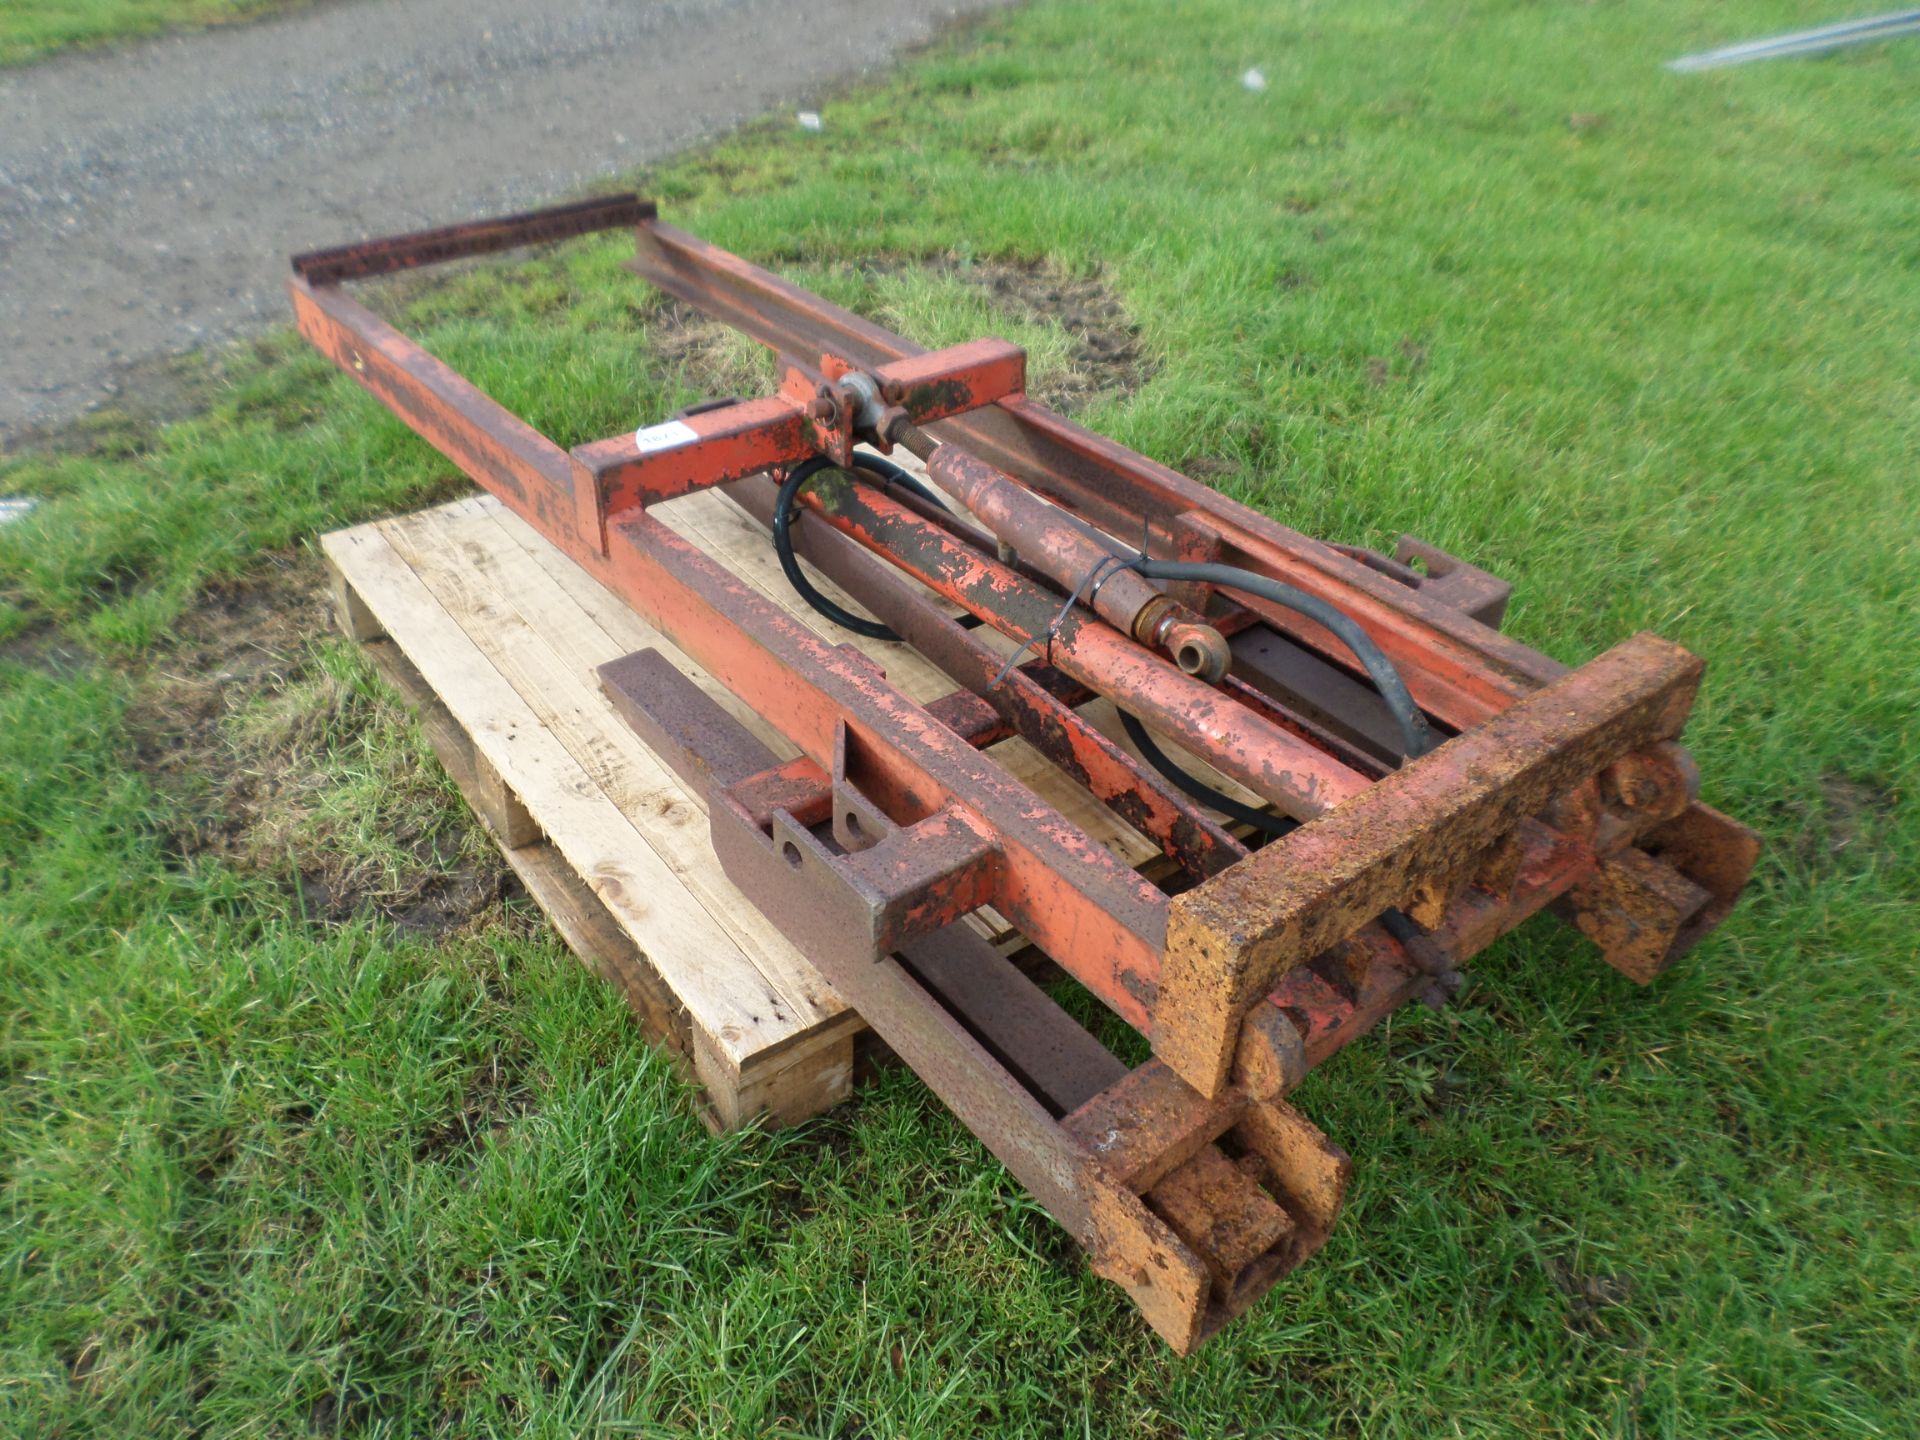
{"x":1817,"y":41}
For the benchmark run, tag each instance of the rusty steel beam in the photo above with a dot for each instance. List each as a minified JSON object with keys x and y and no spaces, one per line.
{"x":462,"y":242}
{"x":492,"y":446}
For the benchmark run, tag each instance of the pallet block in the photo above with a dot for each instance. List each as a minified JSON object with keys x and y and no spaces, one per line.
{"x":494,"y":636}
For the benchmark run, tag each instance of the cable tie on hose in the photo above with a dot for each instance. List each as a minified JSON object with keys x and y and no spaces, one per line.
{"x":1109,"y":568}
{"x":1088,"y":587}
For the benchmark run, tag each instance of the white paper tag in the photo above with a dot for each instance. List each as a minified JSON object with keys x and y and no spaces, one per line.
{"x":664,"y":436}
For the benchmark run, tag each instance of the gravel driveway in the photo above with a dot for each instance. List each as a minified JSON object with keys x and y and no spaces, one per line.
{"x":149,"y":196}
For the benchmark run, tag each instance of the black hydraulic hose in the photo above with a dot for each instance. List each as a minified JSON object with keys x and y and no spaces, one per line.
{"x":1416,"y":735}
{"x":1198,"y":789}
{"x":889,"y":474}
{"x":1414,"y":730}
{"x":1397,"y":923}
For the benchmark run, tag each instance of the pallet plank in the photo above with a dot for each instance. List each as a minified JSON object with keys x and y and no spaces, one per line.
{"x":589,"y":930}
{"x":732,"y":1000}
{"x":617,"y":619}
{"x":541,"y":645}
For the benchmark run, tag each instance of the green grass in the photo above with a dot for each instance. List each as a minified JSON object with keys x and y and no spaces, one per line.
{"x":34,"y":29}
{"x":271,"y":1174}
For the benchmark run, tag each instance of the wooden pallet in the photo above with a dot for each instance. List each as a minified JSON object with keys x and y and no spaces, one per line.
{"x":494,"y":636}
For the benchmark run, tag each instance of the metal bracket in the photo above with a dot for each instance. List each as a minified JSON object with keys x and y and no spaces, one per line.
{"x":812,"y":413}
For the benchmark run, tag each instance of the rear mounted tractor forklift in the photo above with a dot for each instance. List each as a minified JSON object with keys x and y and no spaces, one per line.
{"x":1407,"y":783}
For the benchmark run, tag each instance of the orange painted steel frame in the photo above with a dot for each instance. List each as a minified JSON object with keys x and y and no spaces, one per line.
{"x":1189,"y":1180}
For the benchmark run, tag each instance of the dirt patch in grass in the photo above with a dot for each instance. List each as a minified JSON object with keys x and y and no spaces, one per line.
{"x":1590,"y":1298}
{"x":1853,"y":809}
{"x":278,"y":761}
{"x":46,"y":648}
{"x":1839,"y":827}
{"x":1104,"y":353}
{"x":495,"y":1096}
{"x":1107,"y":357}
{"x":142,"y":396}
